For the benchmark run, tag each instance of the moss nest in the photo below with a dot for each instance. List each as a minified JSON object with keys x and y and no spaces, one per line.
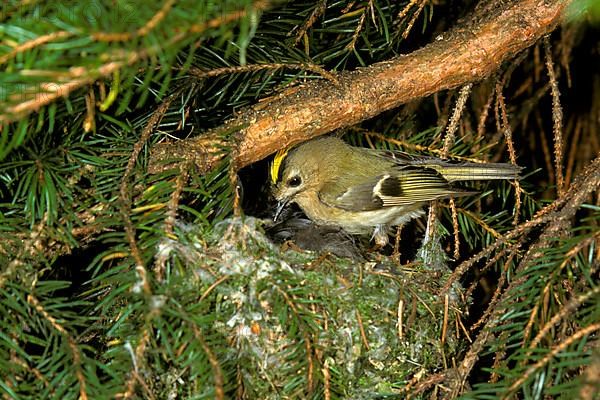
{"x":287,"y":324}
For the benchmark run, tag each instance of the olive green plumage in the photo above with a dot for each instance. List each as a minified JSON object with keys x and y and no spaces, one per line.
{"x":364,"y":190}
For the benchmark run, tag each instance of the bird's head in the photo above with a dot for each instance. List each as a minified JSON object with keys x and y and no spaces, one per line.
{"x":297,"y":172}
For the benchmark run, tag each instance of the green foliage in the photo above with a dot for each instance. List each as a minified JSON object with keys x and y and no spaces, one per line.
{"x":557,"y":281}
{"x":81,"y":42}
{"x":115,"y":282}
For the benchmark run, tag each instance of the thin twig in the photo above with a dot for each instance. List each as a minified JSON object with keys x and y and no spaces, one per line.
{"x":361,"y":328}
{"x":511,"y":148}
{"x":31,"y":299}
{"x":238,"y":69}
{"x":33,"y":43}
{"x":456,"y":253}
{"x":350,"y":46}
{"x":496,"y":296}
{"x":125,"y":195}
{"x":557,"y":118}
{"x":413,"y":19}
{"x":310,"y":21}
{"x":450,"y":138}
{"x":212,"y":360}
{"x":445,"y":320}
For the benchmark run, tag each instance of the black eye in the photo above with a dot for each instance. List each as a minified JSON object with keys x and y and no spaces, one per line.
{"x":294,"y":181}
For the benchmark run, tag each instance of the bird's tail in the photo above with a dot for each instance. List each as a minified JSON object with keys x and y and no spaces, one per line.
{"x":476,"y":171}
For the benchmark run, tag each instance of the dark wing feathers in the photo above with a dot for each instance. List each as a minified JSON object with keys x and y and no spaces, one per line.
{"x":453,"y":170}
{"x":391,"y":186}
{"x":402,"y":186}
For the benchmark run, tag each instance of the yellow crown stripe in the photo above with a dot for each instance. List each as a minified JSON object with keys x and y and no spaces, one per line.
{"x":276,"y":164}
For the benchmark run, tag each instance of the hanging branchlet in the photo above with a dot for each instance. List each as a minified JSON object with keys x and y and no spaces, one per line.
{"x":449,"y":140}
{"x":454,"y":122}
{"x":483,"y":116}
{"x":501,"y":106}
{"x":557,"y":118}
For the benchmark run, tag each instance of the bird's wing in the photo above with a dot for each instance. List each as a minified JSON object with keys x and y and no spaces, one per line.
{"x":400,"y":187}
{"x":452,"y":170}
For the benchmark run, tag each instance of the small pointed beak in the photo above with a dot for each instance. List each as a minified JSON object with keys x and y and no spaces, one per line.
{"x":280,"y":206}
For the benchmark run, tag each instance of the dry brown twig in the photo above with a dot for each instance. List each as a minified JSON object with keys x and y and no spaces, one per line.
{"x":201,"y":74}
{"x":557,"y":117}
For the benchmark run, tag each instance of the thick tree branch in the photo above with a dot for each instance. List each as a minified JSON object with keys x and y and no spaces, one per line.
{"x":468,"y":53}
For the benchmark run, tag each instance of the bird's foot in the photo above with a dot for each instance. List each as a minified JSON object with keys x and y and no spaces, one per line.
{"x":380,"y":236}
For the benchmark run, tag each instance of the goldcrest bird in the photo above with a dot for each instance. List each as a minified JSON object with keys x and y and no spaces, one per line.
{"x":366,"y":191}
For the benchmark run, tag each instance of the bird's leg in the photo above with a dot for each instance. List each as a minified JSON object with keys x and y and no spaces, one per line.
{"x":380,"y":235}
